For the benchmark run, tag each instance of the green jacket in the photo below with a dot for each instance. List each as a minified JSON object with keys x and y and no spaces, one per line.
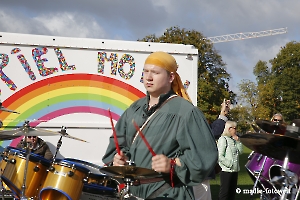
{"x":229,"y":151}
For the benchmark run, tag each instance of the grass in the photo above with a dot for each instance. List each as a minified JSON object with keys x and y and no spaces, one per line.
{"x":244,"y":181}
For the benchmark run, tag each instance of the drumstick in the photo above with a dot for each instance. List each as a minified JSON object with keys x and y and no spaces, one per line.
{"x":114,"y":133}
{"x":143,"y":137}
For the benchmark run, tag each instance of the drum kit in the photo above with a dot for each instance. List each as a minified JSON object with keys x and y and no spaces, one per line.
{"x":25,"y":175}
{"x":274,"y":163}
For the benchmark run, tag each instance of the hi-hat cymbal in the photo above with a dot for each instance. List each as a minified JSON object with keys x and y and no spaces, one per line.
{"x":271,"y":127}
{"x":130,"y":171}
{"x":275,"y":146}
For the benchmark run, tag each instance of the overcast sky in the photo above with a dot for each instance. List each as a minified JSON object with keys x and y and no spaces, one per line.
{"x":134,"y":19}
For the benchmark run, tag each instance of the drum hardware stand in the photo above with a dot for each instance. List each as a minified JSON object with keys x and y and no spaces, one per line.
{"x":287,"y":180}
{"x":259,"y":174}
{"x":128,"y":180}
{"x":23,"y":197}
{"x":59,"y":143}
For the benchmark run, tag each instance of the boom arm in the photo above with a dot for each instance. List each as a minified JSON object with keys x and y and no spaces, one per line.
{"x":248,"y":35}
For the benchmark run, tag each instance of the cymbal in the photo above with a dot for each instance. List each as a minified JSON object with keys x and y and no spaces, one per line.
{"x":26,"y":130}
{"x":63,"y":133}
{"x":271,"y":127}
{"x":257,"y":129}
{"x":22,"y":131}
{"x":130,"y":171}
{"x":273,"y":145}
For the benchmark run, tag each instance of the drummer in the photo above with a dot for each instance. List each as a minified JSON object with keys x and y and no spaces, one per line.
{"x":278,"y":118}
{"x":176,"y":130}
{"x":37,"y":146}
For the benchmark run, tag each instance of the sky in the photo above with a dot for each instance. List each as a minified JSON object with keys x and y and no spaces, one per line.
{"x":135,"y":19}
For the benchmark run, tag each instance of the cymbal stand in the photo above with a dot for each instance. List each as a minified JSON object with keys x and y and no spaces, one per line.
{"x":128,"y":180}
{"x":59,"y":143}
{"x":259,"y":174}
{"x":23,"y":197}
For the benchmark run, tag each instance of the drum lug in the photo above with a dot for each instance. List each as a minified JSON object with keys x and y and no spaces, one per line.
{"x":85,"y":180}
{"x":51,"y":169}
{"x":5,"y":158}
{"x":70,"y":173}
{"x":36,"y":168}
{"x":12,"y":161}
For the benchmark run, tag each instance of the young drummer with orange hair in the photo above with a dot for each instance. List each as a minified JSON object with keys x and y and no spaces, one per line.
{"x":176,"y":130}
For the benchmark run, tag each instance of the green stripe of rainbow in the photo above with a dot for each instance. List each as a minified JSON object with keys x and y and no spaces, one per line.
{"x":66,"y":94}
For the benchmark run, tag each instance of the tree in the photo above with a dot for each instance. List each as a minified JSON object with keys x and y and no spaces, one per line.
{"x":286,"y":73}
{"x":212,"y":75}
{"x":278,"y":88}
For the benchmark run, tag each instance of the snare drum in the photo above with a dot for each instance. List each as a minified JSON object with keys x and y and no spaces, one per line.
{"x":13,"y":174}
{"x":254,"y":165}
{"x":64,"y":181}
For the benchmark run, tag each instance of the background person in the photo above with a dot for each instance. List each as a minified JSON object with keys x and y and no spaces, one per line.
{"x":176,"y":130}
{"x":37,"y":146}
{"x":229,"y":149}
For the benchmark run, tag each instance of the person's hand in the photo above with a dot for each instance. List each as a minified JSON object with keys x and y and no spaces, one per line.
{"x":161,"y":163}
{"x":225,"y":107}
{"x":120,"y":160}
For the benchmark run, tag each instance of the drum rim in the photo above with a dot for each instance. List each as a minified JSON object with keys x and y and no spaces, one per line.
{"x":69,"y":164}
{"x":88,"y":164}
{"x":32,"y":157}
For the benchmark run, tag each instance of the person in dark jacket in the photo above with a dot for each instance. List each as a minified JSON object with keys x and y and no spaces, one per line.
{"x":37,"y":146}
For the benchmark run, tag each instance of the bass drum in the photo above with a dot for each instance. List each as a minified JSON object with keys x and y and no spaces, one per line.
{"x":98,"y":186}
{"x":255,"y":164}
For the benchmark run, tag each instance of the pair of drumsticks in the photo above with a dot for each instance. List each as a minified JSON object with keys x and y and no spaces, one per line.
{"x":136,"y":127}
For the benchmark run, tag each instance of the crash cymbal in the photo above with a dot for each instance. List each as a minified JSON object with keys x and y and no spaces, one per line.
{"x":63,"y":133}
{"x":275,"y":146}
{"x":271,"y":127}
{"x":2,"y":108}
{"x":22,"y":131}
{"x":257,"y":129}
{"x":130,"y":171}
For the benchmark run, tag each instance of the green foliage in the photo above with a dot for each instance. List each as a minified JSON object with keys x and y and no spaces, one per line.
{"x":278,"y":88}
{"x":242,"y":115}
{"x":212,"y":75}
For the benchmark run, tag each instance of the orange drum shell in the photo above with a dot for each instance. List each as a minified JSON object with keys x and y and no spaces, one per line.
{"x":60,"y":180}
{"x":15,"y":174}
{"x":2,"y":167}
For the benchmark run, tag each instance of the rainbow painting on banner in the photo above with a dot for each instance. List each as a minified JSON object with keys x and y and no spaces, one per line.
{"x":67,"y":94}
